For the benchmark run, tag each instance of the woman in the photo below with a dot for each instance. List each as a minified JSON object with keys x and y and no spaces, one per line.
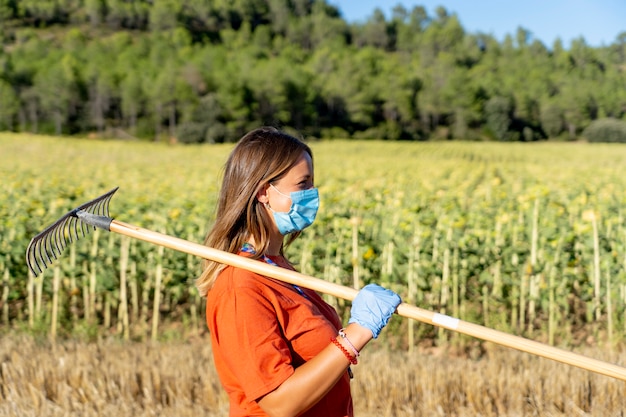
{"x":279,"y":350}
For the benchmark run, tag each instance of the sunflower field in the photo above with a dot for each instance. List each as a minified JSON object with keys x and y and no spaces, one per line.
{"x":524,"y":238}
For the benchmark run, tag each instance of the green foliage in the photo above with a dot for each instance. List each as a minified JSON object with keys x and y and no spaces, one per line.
{"x":191,"y":132}
{"x":9,"y":105}
{"x":606,"y":130}
{"x":143,"y":67}
{"x":8,"y":10}
{"x":499,"y":112}
{"x":552,"y":120}
{"x":164,"y":14}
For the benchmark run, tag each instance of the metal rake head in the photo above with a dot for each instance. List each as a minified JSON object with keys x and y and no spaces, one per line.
{"x":48,"y":245}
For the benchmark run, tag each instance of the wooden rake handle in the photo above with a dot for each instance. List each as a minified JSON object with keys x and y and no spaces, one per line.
{"x":347,"y":293}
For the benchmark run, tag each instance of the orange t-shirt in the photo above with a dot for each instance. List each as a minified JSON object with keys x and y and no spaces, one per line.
{"x":261,"y":330}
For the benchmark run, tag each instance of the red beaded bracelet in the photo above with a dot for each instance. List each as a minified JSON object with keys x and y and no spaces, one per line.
{"x":347,"y":354}
{"x":344,"y":336}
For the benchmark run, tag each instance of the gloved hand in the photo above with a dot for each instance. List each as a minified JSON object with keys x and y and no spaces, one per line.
{"x":372,"y":307}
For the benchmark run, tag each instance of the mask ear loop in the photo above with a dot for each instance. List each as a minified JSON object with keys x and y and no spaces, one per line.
{"x":267,"y":204}
{"x":278,"y":191}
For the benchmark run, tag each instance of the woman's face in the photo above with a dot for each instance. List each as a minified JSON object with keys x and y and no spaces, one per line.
{"x":298,"y":178}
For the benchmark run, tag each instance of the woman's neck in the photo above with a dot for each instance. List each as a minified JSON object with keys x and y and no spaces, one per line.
{"x":273,"y":249}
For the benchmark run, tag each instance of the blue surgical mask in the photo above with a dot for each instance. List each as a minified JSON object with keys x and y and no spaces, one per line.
{"x":301,"y":214}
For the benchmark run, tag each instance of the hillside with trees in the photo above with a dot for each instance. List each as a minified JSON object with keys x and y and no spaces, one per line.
{"x":208,"y":70}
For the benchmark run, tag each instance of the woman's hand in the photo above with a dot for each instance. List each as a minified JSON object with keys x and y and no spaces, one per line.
{"x":373,"y":306}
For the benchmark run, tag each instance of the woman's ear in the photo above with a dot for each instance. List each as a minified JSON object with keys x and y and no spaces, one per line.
{"x":262,"y":195}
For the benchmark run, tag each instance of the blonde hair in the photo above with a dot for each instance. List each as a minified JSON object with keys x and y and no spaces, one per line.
{"x":261,"y":156}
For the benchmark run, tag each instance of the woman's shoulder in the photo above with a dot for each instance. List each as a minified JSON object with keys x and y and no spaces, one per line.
{"x":233,"y":278}
{"x":232,"y":284}
{"x":238,"y":291}
{"x":234,"y":281}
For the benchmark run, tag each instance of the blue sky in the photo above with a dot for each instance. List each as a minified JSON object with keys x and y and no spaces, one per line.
{"x":597,"y":21}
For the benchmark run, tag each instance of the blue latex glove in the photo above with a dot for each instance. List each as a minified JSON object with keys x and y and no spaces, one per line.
{"x":372,"y":307}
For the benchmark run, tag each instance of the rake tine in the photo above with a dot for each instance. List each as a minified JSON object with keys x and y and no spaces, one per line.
{"x":65,"y":233}
{"x":42,"y":253}
{"x":31,"y":257}
{"x":78,"y":229}
{"x":98,"y":208}
{"x":50,"y":239}
{"x":62,"y":236}
{"x":48,"y":245}
{"x":58,"y":239}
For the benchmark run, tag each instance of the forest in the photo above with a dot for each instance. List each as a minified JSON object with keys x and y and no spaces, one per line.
{"x":205,"y":71}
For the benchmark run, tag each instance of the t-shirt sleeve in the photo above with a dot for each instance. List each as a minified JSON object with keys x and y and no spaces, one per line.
{"x":251,"y":342}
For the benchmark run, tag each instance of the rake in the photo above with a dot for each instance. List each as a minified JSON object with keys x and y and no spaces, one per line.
{"x":50,"y":243}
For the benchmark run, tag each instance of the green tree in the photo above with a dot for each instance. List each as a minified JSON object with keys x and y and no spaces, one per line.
{"x":235,"y":93}
{"x":374,"y":32}
{"x":326,"y":66}
{"x":164,"y":14}
{"x":499,"y":112}
{"x":174,"y":92}
{"x":205,"y":124}
{"x":96,"y":11}
{"x":399,"y":95}
{"x":133,"y":99}
{"x":409,"y":31}
{"x":620,"y":48}
{"x":101,"y":79}
{"x":53,"y":91}
{"x":9,"y":105}
{"x":40,"y":12}
{"x":279,"y":15}
{"x":134,"y":72}
{"x":327,"y":26}
{"x":128,"y":14}
{"x":31,"y":108}
{"x":354,"y":84}
{"x":200,"y":19}
{"x":8,"y":10}
{"x":606,"y":130}
{"x":552,"y":120}
{"x":168,"y":93}
{"x":443,"y":34}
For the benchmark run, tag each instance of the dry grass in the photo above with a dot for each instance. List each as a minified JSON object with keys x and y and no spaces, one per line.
{"x":111,"y":378}
{"x":504,"y":382}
